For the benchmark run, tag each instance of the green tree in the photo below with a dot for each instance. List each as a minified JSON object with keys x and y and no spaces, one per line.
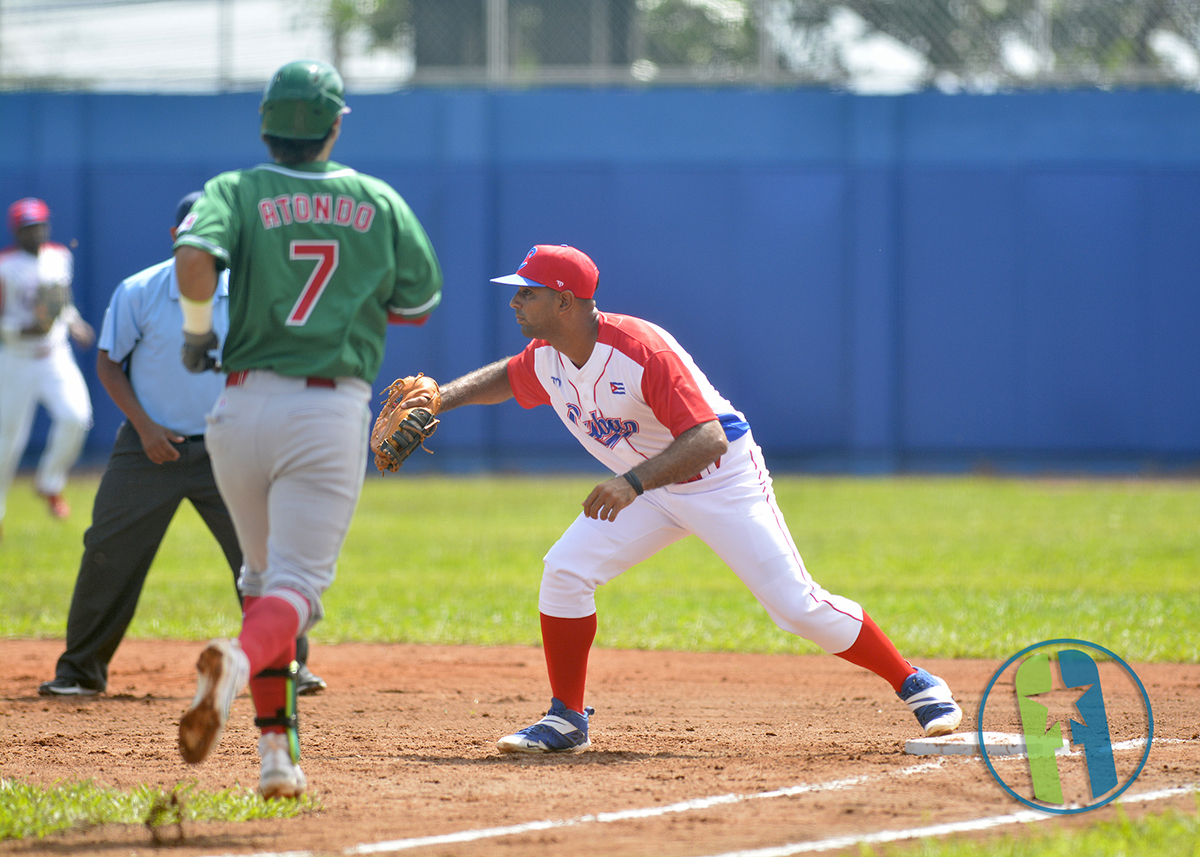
{"x":382,"y":20}
{"x":978,"y":41}
{"x":698,"y":34}
{"x":981,"y":44}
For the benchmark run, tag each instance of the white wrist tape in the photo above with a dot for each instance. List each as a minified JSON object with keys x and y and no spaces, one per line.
{"x":197,"y":315}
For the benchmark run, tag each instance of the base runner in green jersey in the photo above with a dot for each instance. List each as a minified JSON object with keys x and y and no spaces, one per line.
{"x":321,"y":259}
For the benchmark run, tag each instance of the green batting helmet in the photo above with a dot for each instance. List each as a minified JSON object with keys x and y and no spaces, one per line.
{"x":302,"y":101}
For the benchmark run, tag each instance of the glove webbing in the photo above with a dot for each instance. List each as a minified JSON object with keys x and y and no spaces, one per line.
{"x":286,"y":716}
{"x":414,"y":430}
{"x":410,"y":432}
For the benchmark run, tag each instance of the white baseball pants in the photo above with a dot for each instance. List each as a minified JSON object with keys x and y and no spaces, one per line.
{"x":736,"y":515}
{"x":289,"y":461}
{"x":55,"y":382}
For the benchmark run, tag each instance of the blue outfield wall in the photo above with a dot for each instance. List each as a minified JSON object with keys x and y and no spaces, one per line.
{"x":879,"y":283}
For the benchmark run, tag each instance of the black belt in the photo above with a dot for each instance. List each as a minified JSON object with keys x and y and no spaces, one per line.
{"x":194,"y":438}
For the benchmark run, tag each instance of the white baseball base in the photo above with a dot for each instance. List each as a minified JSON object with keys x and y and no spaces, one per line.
{"x":967,"y":744}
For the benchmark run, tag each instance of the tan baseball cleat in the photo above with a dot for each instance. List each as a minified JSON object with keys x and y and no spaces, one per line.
{"x":223,"y":672}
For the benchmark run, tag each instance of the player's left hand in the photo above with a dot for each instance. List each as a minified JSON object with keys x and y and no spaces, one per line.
{"x":82,"y":332}
{"x":608,"y":499}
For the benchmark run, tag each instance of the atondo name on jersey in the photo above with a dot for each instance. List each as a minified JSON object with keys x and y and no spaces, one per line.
{"x":315,"y":208}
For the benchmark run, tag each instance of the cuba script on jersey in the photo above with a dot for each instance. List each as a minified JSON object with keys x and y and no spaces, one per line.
{"x":637,"y":392}
{"x":286,"y":209}
{"x":607,"y":431}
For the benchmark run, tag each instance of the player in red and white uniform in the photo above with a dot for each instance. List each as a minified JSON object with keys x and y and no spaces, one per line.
{"x":686,"y":464}
{"x":37,"y":319}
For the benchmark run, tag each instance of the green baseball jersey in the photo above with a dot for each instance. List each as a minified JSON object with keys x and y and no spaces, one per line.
{"x":320,"y":258}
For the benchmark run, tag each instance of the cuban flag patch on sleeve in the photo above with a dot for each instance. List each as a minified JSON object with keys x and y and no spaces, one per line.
{"x":617,"y":388}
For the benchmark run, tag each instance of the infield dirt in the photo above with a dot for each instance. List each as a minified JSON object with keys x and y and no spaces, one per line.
{"x":402,"y":746}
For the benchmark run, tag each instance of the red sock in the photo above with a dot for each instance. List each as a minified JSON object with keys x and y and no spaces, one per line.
{"x":269,"y":627}
{"x":567,"y":643}
{"x":874,"y":651}
{"x":268,"y":638}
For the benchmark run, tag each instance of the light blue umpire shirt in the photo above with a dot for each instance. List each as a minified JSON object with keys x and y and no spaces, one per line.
{"x":145,"y":323}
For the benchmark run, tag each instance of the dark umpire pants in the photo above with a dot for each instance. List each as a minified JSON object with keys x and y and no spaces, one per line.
{"x":134,"y":506}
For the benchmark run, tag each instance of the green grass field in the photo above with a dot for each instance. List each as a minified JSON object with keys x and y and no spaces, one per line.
{"x":948,"y":566}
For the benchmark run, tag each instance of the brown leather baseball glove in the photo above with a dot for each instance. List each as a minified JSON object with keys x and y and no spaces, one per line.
{"x":405,"y":421}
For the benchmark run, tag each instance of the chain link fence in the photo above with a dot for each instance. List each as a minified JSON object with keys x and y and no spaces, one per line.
{"x":854,"y":45}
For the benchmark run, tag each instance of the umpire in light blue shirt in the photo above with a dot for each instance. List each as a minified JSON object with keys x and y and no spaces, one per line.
{"x":157,"y":462}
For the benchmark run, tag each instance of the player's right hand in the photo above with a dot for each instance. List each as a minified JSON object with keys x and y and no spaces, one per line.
{"x":608,"y":499}
{"x":196,"y":348}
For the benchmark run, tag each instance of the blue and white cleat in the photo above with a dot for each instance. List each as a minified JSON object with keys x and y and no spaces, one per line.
{"x":560,"y":731}
{"x":929,"y":698}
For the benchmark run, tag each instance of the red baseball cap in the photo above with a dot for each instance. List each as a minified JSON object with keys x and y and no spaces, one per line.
{"x":26,"y":211}
{"x":558,"y":267}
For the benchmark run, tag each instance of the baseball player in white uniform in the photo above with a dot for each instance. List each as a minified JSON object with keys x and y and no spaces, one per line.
{"x":685,"y":462}
{"x":37,"y":318}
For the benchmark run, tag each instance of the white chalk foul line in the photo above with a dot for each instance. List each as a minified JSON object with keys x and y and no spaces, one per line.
{"x":726,"y":800}
{"x":973,"y":826}
{"x":596,"y":818}
{"x":620,"y":815}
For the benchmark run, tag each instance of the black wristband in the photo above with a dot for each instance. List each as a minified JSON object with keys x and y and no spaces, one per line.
{"x":634,"y":482}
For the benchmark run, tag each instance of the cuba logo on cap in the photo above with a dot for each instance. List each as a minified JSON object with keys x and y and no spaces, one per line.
{"x":1085,"y":720}
{"x":528,"y":256}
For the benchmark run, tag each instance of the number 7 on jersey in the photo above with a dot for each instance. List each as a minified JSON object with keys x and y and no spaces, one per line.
{"x":326,"y":255}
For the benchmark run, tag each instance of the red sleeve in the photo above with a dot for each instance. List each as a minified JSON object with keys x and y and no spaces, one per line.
{"x":522,"y":377}
{"x":671,"y":392}
{"x":396,"y":318}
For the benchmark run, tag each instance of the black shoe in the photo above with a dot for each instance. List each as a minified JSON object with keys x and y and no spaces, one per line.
{"x":306,"y":683}
{"x":65,"y":687}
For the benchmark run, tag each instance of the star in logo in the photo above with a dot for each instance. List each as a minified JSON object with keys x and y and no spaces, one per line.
{"x":1062,"y":705}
